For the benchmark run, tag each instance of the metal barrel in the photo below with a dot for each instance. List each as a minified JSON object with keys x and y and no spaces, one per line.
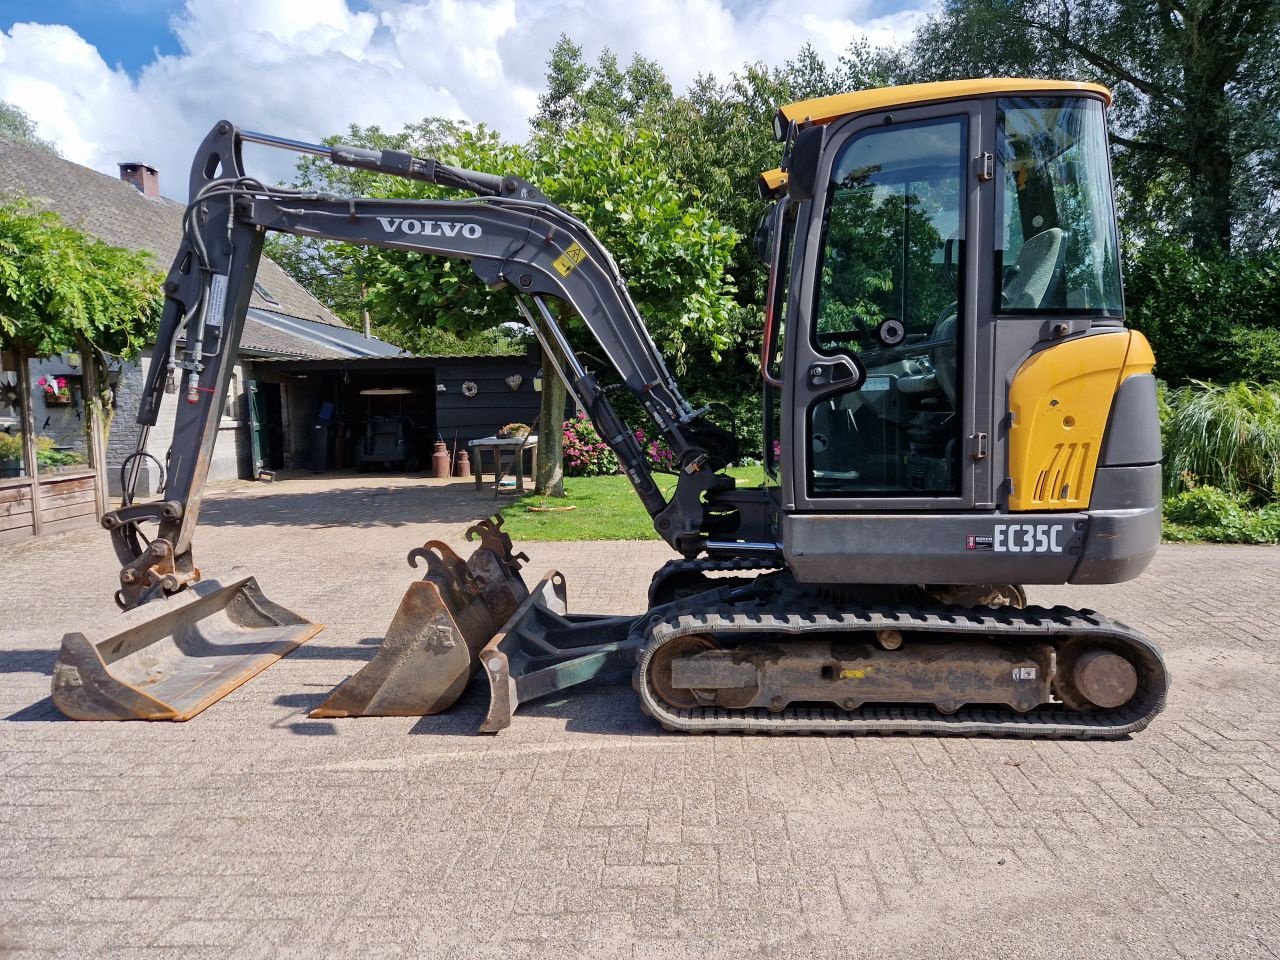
{"x":171,"y":658}
{"x":431,"y":648}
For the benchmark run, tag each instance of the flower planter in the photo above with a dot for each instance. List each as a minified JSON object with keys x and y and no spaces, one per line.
{"x":55,"y":391}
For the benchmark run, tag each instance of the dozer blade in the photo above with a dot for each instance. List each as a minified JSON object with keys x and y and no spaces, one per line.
{"x":431,"y":648}
{"x":173,"y":657}
{"x":543,"y":649}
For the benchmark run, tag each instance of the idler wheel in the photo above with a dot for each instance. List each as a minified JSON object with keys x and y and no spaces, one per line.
{"x":1104,"y":678}
{"x":660,"y":669}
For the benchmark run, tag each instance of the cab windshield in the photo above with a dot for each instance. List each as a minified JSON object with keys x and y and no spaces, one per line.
{"x":1057,"y":250}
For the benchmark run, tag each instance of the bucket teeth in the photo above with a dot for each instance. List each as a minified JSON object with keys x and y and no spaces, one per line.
{"x":171,"y":658}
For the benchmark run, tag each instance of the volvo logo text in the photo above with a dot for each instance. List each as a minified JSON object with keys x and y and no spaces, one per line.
{"x":430,"y":228}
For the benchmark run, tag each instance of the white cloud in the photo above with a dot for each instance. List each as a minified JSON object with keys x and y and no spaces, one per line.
{"x":308,"y":68}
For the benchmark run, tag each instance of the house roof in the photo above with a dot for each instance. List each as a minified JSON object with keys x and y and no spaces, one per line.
{"x":291,"y":322}
{"x":278,"y":334}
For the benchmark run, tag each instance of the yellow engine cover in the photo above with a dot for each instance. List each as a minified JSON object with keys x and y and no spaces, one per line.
{"x":1059,"y":402}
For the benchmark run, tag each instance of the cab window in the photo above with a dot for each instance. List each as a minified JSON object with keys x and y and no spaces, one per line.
{"x":1056,"y":251}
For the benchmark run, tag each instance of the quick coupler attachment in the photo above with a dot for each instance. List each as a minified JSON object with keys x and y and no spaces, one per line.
{"x":543,"y":649}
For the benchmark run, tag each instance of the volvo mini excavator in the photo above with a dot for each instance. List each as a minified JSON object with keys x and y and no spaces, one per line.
{"x":953,"y":409}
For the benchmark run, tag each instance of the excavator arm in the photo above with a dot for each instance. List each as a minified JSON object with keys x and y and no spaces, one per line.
{"x":512,"y":237}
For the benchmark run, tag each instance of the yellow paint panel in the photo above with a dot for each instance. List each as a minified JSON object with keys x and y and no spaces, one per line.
{"x":1140,"y":358}
{"x":773,"y":181}
{"x":826,"y":109}
{"x":1060,"y":400}
{"x":569,"y":260}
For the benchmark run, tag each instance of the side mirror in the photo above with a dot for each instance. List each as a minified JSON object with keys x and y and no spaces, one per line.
{"x":802,"y":172}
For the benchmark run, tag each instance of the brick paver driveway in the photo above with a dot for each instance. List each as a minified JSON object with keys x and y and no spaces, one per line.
{"x":253,"y":831}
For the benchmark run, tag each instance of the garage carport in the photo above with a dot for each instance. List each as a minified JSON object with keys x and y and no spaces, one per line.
{"x":382,"y":413}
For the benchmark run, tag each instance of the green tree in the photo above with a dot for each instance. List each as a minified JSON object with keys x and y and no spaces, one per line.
{"x":1197,"y":83}
{"x":16,"y":124}
{"x":339,"y":275}
{"x":62,"y":291}
{"x":603,"y":93}
{"x":672,"y":252}
{"x":1209,"y":317}
{"x":59,"y":287}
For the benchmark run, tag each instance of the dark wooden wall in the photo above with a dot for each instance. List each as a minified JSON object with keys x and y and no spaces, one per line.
{"x":495,"y":403}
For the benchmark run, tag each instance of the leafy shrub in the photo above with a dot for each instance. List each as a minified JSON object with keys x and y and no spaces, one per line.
{"x":1256,"y":353}
{"x":1208,"y":316}
{"x":10,"y":446}
{"x":585,"y":454}
{"x":1207,"y":513}
{"x":46,"y":455}
{"x":1224,"y":436}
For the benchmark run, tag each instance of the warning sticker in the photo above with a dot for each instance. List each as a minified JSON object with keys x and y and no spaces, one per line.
{"x":567,"y":261}
{"x":217,"y":305}
{"x":979,"y":543}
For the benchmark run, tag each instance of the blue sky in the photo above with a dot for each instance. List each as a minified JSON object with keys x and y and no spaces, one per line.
{"x":126,"y":32}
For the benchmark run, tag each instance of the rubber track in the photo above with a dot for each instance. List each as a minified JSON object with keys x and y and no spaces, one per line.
{"x":1053,"y":721}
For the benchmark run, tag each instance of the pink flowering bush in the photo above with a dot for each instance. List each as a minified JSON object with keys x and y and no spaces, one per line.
{"x":656,"y":451}
{"x":585,"y":454}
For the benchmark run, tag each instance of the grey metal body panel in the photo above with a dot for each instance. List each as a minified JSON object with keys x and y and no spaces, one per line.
{"x":1124,"y":525}
{"x":940,"y":548}
{"x":1121,"y":544}
{"x":1126,"y":488}
{"x":1113,"y":542}
{"x":1133,"y":432}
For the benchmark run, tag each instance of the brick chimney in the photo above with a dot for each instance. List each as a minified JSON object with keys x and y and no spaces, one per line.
{"x":145,"y":178}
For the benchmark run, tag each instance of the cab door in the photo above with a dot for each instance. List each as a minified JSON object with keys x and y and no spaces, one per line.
{"x":882,"y":414}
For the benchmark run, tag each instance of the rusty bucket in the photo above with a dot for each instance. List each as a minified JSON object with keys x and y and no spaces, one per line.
{"x":171,"y":658}
{"x":431,"y":648}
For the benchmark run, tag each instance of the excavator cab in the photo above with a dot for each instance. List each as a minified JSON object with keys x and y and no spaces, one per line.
{"x":932,"y":253}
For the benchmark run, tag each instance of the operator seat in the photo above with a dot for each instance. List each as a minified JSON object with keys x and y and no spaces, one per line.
{"x":1037,"y":272}
{"x":1035,"y":278}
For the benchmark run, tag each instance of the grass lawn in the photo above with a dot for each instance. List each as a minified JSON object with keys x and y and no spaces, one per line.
{"x":605,"y":508}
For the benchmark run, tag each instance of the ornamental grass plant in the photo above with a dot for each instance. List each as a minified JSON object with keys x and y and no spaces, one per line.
{"x":1225,"y":436}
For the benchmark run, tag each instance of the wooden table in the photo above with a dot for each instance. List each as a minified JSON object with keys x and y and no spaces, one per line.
{"x":507,"y":452}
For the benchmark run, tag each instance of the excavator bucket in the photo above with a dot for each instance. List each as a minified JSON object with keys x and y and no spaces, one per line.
{"x":431,"y":648}
{"x":171,"y":658}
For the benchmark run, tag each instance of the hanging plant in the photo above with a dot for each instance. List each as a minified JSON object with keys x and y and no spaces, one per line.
{"x":56,"y":391}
